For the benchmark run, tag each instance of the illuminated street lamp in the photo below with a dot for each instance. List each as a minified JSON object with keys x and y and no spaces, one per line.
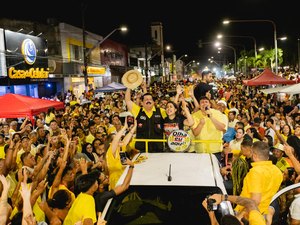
{"x":213,"y":61}
{"x":86,"y":53}
{"x":193,"y":61}
{"x":123,"y":29}
{"x":284,"y":38}
{"x":168,"y":48}
{"x":185,"y":55}
{"x":275,"y":35}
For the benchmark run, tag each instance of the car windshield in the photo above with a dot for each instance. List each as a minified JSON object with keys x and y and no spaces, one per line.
{"x":162,"y":205}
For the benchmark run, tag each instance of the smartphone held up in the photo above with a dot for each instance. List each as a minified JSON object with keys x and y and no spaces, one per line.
{"x":130,"y":120}
{"x":123,"y":157}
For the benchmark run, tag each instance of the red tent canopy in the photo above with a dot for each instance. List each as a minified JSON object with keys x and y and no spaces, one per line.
{"x":267,"y":77}
{"x":20,"y":106}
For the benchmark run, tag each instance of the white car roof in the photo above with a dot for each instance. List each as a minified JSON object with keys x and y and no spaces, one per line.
{"x":187,"y":169}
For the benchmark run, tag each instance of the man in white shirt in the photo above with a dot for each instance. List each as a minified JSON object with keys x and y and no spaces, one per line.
{"x":294,"y":210}
{"x":269,"y":131}
{"x":232,"y":119}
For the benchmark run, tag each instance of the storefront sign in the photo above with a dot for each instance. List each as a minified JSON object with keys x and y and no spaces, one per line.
{"x":35,"y":73}
{"x":179,"y":141}
{"x":95,"y":70}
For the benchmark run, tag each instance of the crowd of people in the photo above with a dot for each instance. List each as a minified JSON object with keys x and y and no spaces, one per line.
{"x":70,"y":158}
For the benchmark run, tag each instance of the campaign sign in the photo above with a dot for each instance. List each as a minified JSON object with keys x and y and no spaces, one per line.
{"x":179,"y":140}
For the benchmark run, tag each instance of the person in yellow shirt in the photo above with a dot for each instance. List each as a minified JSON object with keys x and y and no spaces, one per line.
{"x":63,"y":181}
{"x":282,"y":162}
{"x":149,"y":119}
{"x":57,"y":207}
{"x":209,"y":125}
{"x":83,"y":208}
{"x":263,"y":179}
{"x":114,"y":164}
{"x":91,"y":135}
{"x":2,"y":144}
{"x":50,"y":115}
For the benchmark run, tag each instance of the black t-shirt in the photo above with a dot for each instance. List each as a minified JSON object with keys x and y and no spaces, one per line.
{"x":174,"y":124}
{"x":287,"y":109}
{"x":101,"y":199}
{"x":294,"y":141}
{"x":201,"y":89}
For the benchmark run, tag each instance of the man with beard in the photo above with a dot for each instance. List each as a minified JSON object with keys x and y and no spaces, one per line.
{"x":204,"y":88}
{"x":149,"y":121}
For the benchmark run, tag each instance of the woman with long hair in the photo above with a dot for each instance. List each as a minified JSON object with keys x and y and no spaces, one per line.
{"x":114,"y":164}
{"x":50,"y":115}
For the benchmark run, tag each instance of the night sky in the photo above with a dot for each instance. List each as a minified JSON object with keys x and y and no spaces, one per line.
{"x":184,"y":22}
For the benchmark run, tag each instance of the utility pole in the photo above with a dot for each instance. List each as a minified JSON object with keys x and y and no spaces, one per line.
{"x":157,"y":36}
{"x":86,"y":53}
{"x":146,"y":63}
{"x":85,"y":57}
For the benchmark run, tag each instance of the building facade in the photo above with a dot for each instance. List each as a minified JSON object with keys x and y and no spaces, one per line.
{"x":59,"y":56}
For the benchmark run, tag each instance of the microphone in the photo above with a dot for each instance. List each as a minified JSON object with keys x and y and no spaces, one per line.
{"x":170,"y":177}
{"x":206,"y":108}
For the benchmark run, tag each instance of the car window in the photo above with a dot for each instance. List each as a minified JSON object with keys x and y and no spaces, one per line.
{"x":161,"y":205}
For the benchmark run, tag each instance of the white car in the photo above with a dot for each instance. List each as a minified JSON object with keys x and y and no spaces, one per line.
{"x":168,"y":188}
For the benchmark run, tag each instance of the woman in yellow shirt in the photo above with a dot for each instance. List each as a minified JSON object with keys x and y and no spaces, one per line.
{"x":114,"y":165}
{"x":50,"y":115}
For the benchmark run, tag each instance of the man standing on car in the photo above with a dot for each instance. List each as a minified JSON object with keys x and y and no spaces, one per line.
{"x":209,"y":125}
{"x":204,"y":88}
{"x":149,"y":121}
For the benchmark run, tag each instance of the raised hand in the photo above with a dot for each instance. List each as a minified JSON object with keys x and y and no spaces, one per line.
{"x":100,"y":221}
{"x":5,"y":183}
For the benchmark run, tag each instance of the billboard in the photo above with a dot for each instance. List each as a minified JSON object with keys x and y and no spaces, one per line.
{"x":26,"y":56}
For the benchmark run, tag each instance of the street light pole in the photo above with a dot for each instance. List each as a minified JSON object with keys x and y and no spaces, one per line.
{"x":103,"y":39}
{"x":213,"y":61}
{"x":189,"y":63}
{"x":185,"y":55}
{"x":253,"y":38}
{"x":275,"y":36}
{"x":85,"y":59}
{"x":234,"y":52}
{"x":87,"y":53}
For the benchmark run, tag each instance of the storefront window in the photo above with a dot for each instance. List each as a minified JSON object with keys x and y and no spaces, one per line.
{"x":76,"y":52}
{"x":20,"y":89}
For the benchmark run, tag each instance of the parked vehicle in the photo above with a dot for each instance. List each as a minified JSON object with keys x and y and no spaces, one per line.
{"x":168,"y":188}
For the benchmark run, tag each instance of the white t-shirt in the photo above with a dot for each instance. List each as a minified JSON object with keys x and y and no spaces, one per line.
{"x":270,"y":132}
{"x":295,"y":208}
